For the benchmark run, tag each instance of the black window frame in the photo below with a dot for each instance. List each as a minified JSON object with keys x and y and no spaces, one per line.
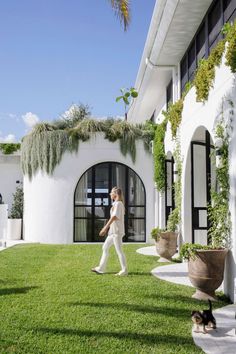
{"x":212,"y":37}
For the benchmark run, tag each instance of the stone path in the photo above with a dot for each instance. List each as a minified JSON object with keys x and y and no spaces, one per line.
{"x":220,"y":341}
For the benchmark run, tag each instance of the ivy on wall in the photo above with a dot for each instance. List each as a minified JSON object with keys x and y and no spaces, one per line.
{"x":159,"y":155}
{"x":9,"y":148}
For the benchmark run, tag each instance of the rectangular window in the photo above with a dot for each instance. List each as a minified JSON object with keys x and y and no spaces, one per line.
{"x":214,"y":25}
{"x":184,"y":72}
{"x":200,"y":44}
{"x":191,"y":61}
{"x":229,"y":8}
{"x":169,"y":93}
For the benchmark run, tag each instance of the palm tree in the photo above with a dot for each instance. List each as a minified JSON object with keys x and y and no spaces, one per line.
{"x":122,"y":9}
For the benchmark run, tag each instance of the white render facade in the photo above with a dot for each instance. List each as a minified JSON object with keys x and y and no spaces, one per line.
{"x":173,"y":36}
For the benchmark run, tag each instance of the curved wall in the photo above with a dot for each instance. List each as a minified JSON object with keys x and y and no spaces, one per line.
{"x":49,"y":200}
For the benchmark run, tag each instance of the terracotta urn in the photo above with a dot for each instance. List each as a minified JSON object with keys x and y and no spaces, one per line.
{"x":206,"y":272}
{"x":166,"y":246}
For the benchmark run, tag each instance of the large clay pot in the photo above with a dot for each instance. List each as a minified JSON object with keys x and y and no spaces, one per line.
{"x":167,"y":245}
{"x":206,"y":272}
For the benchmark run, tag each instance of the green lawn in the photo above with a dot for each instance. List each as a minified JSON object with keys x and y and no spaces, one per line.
{"x":50,"y":302}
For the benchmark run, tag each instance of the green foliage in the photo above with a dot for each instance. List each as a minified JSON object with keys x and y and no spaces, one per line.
{"x":174,"y":115}
{"x":127,"y":95}
{"x":58,"y":309}
{"x":231,"y":46}
{"x":43,"y":148}
{"x":9,"y":148}
{"x":218,"y":212}
{"x":72,"y":117}
{"x":156,"y":233}
{"x":188,"y":250}
{"x":205,"y":74}
{"x":18,"y":204}
{"x":159,"y":155}
{"x":173,"y":220}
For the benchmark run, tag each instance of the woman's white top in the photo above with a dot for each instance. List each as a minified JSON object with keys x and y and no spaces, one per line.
{"x":118,"y":226}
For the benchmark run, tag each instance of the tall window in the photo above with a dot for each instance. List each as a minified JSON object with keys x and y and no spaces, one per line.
{"x":169,"y":93}
{"x":206,"y":37}
{"x":92,"y":202}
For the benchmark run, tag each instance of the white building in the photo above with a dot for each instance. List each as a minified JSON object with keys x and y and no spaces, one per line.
{"x":181,"y":33}
{"x":72,"y":204}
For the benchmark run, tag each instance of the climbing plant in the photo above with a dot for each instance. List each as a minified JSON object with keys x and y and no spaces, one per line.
{"x":159,"y":155}
{"x":218,"y":211}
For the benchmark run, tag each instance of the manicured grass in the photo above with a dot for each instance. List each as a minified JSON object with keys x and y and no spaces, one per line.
{"x":50,"y":302}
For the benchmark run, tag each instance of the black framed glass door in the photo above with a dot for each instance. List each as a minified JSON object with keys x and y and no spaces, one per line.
{"x":92,"y":202}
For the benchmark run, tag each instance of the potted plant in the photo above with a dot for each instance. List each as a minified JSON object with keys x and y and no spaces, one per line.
{"x":206,"y":263}
{"x":166,"y":240}
{"x":14,"y":225}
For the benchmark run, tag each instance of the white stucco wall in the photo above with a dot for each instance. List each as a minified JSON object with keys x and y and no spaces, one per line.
{"x":195,"y":115}
{"x":10,"y":172}
{"x":49,"y":200}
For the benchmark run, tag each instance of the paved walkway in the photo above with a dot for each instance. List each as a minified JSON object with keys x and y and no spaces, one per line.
{"x":4,"y":244}
{"x":220,"y":341}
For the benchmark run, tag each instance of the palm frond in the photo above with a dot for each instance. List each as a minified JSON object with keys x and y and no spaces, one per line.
{"x":122,"y":9}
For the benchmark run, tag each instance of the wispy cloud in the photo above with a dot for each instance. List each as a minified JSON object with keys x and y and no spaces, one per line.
{"x":10,"y":138}
{"x":30,"y":119}
{"x":6,"y":116}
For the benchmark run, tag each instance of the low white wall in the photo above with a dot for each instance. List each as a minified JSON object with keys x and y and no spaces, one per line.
{"x":49,"y":200}
{"x":10,"y":172}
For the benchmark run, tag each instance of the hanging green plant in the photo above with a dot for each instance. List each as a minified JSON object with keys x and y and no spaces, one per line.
{"x":44,"y":147}
{"x":174,"y":115}
{"x":9,"y":148}
{"x":159,"y":155}
{"x":230,"y":55}
{"x":205,"y":74}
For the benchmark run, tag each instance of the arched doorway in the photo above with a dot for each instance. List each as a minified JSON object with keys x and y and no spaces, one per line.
{"x":203,"y":179}
{"x":92,"y":203}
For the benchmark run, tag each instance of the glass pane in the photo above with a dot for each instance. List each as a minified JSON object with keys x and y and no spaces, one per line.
{"x":136,"y":230}
{"x":200,"y":236}
{"x":98,"y":225}
{"x":118,"y":176}
{"x":136,"y":212}
{"x":83,"y":212}
{"x":202,"y":218}
{"x":102,"y":212}
{"x":83,"y":193}
{"x":136,"y":190}
{"x":200,"y":193}
{"x":169,"y":189}
{"x":83,"y":230}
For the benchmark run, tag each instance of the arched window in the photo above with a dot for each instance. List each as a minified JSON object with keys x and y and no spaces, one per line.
{"x":92,"y":203}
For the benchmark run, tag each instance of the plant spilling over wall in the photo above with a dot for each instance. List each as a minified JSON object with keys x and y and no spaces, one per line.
{"x":218,"y":212}
{"x":44,"y":147}
{"x":230,"y":32}
{"x":205,"y":74}
{"x":174,"y":115}
{"x":159,"y":155}
{"x":9,"y":148}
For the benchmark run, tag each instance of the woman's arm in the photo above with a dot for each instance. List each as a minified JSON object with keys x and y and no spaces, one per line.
{"x":108,"y":224}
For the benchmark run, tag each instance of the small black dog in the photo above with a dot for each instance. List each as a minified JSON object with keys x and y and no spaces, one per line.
{"x":204,"y":318}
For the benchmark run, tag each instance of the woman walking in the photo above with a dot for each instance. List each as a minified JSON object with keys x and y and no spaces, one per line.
{"x":116,"y":228}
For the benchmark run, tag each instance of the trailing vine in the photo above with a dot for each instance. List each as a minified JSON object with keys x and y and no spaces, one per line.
{"x":174,"y":218}
{"x":159,"y":155}
{"x":219,"y":215}
{"x":9,"y":148}
{"x":174,"y":115}
{"x":230,"y":32}
{"x":205,"y":74}
{"x":44,"y":147}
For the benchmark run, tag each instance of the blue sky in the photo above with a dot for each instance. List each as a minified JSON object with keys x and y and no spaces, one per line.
{"x":58,"y":52}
